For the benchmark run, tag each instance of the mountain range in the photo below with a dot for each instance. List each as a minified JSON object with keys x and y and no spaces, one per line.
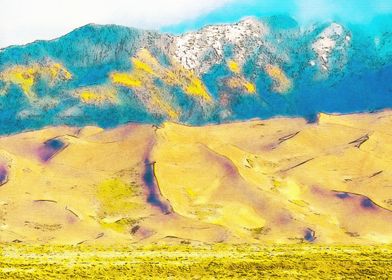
{"x":113,"y":135}
{"x":109,"y":75}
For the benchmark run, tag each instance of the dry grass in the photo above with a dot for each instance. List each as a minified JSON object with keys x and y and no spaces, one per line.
{"x":196,"y":262}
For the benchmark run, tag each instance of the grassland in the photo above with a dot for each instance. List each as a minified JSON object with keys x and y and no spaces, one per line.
{"x":301,"y":261}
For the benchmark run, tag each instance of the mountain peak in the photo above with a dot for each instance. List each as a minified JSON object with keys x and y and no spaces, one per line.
{"x":250,"y":21}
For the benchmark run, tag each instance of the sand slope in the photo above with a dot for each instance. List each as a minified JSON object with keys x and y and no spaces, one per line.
{"x":279,"y":180}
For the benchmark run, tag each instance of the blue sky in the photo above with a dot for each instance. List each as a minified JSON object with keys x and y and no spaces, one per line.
{"x":304,"y":11}
{"x":24,"y":21}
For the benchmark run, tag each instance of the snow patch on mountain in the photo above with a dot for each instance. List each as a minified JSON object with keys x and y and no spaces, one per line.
{"x":202,"y":49}
{"x":331,"y":47}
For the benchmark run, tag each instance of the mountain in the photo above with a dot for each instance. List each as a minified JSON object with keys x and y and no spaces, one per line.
{"x":280,"y":180}
{"x":257,"y":68}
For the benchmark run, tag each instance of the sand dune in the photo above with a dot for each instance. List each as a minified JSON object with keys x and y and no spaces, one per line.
{"x":280,"y":181}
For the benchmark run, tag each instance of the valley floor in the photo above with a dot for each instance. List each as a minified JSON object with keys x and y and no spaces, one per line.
{"x":196,"y":262}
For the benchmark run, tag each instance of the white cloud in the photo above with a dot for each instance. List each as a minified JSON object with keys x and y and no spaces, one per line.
{"x":356,"y":11}
{"x":23,"y":21}
{"x":313,"y":10}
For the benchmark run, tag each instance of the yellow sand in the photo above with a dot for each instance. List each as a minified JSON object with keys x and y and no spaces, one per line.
{"x":275,"y":181}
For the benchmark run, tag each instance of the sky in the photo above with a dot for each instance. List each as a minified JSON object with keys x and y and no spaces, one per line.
{"x":23,"y":21}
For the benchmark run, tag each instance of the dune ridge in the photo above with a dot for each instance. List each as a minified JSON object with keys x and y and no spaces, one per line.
{"x":282,"y":180}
